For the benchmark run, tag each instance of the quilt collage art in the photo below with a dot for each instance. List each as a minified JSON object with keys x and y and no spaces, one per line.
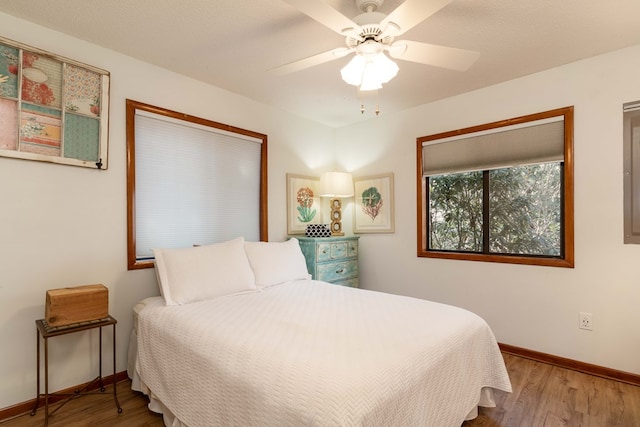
{"x":51,"y":108}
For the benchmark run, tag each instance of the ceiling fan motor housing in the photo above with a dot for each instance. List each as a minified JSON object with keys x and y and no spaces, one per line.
{"x":369,"y":23}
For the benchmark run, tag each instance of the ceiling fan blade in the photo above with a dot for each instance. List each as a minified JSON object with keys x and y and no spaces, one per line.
{"x":431,"y":54}
{"x":409,"y":14}
{"x":311,"y":61}
{"x":327,"y":16}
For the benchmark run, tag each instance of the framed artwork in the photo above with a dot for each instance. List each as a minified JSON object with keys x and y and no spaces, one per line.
{"x":373,"y":211}
{"x":52,"y":109}
{"x":303,"y":203}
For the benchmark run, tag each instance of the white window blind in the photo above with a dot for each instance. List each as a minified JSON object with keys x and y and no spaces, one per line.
{"x":194,"y":184}
{"x":534,"y":142}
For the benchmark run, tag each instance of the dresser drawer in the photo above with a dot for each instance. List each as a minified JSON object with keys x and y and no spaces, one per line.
{"x":332,"y":259}
{"x":352,"y":249}
{"x":331,"y":251}
{"x":336,"y":271}
{"x":352,"y":283}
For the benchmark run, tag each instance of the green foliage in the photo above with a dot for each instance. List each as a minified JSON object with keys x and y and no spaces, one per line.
{"x":455,"y":212}
{"x":524,"y":211}
{"x":371,"y":202}
{"x":306,"y":214}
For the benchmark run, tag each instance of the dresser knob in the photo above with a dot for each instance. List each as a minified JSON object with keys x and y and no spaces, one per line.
{"x":340,"y":271}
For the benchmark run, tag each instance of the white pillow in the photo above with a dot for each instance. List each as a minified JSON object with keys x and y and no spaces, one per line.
{"x":204,"y":272}
{"x":276,"y":262}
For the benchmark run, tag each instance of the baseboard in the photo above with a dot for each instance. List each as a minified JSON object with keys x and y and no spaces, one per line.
{"x":24,"y":407}
{"x":562,"y":362}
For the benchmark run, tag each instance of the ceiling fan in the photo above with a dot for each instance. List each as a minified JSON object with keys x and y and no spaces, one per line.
{"x":372,"y":33}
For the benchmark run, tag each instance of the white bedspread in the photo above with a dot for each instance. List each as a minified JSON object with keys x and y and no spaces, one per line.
{"x":309,"y":353}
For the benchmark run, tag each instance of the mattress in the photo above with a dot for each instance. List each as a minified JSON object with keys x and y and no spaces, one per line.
{"x":132,"y":355}
{"x":309,"y":353}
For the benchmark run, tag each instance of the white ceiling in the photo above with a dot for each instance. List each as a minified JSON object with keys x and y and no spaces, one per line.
{"x":233,"y":43}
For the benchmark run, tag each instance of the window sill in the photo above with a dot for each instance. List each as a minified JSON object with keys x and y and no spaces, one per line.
{"x":507,"y":259}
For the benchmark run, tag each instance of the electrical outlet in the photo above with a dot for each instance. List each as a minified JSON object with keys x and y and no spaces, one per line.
{"x":586,"y":321}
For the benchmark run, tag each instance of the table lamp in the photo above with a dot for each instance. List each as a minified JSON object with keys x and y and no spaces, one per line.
{"x":336,"y":185}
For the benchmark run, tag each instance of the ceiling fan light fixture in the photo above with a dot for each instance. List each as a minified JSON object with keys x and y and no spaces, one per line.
{"x":370,"y":81}
{"x":384,"y":68}
{"x":352,"y":72}
{"x":369,"y":71}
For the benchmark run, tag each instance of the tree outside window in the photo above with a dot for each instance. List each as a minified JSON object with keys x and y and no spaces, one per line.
{"x":524,"y":212}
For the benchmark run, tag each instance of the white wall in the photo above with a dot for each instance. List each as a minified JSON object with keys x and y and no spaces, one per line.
{"x":528,"y":306}
{"x":65,"y":226}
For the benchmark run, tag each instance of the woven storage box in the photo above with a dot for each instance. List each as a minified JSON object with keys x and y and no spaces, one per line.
{"x":76,"y":304}
{"x":318,"y":230}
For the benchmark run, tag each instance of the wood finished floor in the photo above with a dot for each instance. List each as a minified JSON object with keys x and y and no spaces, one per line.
{"x":543,"y":396}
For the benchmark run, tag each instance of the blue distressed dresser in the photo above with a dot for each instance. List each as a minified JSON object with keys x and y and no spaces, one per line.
{"x":332,"y":259}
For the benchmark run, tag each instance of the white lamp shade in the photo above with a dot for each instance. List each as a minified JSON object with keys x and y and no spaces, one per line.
{"x":369,"y":71}
{"x":370,"y":79}
{"x":352,"y":72}
{"x":336,"y":184}
{"x":384,"y":68}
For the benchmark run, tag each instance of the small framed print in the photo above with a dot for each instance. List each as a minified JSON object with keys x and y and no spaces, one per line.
{"x":373,"y":204}
{"x":303,"y":203}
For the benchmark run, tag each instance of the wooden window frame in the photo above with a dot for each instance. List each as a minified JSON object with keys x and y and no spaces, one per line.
{"x":567,"y":260}
{"x":131,"y":107}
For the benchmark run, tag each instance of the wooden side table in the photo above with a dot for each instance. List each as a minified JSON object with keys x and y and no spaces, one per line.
{"x":45,"y":331}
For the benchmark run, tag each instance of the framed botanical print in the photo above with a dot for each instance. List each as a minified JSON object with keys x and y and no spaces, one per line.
{"x":303,"y":203}
{"x":373,"y":211}
{"x":52,"y":109}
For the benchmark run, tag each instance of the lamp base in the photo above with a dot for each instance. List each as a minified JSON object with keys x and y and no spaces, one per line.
{"x":336,"y":217}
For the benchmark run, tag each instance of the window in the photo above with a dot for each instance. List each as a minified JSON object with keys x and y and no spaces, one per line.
{"x":52,"y":109}
{"x":191,"y":181}
{"x":500,"y":192}
{"x":632,"y":172}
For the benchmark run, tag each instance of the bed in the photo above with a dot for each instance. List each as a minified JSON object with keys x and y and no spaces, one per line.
{"x":284,"y":350}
